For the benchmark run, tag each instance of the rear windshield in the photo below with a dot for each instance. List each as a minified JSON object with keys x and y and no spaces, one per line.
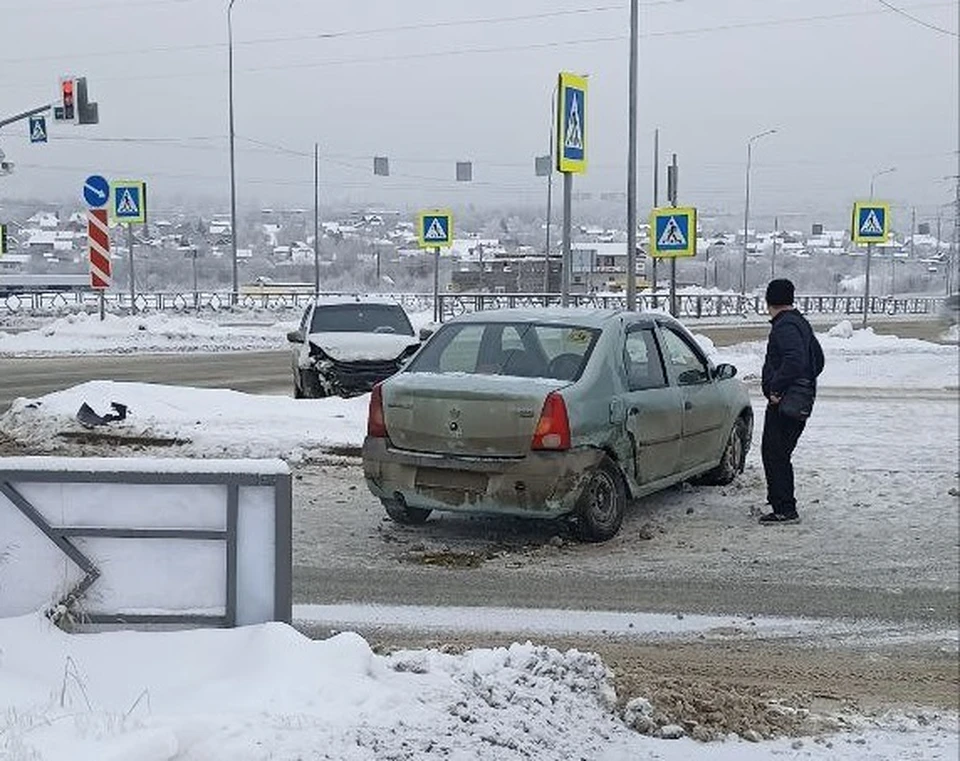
{"x":360,"y":318}
{"x":526,"y":350}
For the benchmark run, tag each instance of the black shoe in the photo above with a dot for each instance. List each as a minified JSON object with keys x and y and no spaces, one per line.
{"x":779,"y":519}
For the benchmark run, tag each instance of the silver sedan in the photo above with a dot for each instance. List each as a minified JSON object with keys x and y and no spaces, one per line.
{"x":553,"y":413}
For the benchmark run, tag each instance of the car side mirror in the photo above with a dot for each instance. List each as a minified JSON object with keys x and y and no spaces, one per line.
{"x":295,"y":336}
{"x":724,"y":371}
{"x":425,"y":333}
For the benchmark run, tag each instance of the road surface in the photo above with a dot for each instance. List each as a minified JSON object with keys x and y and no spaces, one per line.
{"x":265,"y":372}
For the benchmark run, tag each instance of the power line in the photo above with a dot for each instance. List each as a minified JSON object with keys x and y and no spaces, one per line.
{"x":489,"y":50}
{"x":916,"y":20}
{"x":33,"y":8}
{"x":342,"y":34}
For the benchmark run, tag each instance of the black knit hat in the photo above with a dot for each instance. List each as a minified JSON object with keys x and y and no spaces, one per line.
{"x":780,"y":293}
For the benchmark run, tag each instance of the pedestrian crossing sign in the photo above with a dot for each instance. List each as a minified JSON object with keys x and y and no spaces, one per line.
{"x":871,"y":222}
{"x":129,"y":201}
{"x":435,"y":229}
{"x":38,"y":129}
{"x":572,"y":123}
{"x":673,"y":232}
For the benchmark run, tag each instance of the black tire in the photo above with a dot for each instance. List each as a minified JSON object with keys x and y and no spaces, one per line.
{"x":602,"y":504}
{"x":732,"y":460}
{"x":404,"y":515}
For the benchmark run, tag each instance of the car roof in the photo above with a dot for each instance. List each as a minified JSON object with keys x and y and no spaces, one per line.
{"x":341,"y":299}
{"x":587,"y":318}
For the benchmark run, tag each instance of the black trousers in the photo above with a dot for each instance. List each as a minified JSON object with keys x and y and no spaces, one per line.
{"x":780,"y":437}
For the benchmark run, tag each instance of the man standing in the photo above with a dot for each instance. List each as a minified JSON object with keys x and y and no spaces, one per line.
{"x":793,"y":354}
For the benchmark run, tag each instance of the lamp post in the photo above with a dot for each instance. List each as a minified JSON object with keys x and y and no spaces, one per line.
{"x":746,"y":209}
{"x":233,"y":173}
{"x":866,"y":278}
{"x":882,"y":172}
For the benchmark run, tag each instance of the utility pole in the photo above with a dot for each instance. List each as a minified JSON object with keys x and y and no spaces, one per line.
{"x":656,"y":202}
{"x":632,"y":163}
{"x":913,"y":232}
{"x":673,"y":177}
{"x":546,"y":256}
{"x":233,"y":173}
{"x":567,"y":233}
{"x":316,"y":222}
{"x":133,"y":280}
{"x":773,"y":258}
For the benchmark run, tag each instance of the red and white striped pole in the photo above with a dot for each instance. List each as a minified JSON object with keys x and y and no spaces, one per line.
{"x":98,"y":235}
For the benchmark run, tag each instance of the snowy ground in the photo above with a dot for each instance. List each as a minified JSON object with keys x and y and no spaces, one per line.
{"x":268,"y":692}
{"x":156,"y":334}
{"x":216,"y":423}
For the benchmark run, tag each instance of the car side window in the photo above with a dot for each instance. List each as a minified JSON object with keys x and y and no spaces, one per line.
{"x":641,"y":357}
{"x":689,"y":367}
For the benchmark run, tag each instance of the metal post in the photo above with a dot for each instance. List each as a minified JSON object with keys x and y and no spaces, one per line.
{"x":436,"y":284}
{"x":673,"y":190}
{"x":196,"y":286}
{"x":316,"y":223}
{"x":546,"y":260}
{"x":773,"y":257}
{"x":746,"y":224}
{"x":233,"y":174}
{"x":913,"y":231}
{"x":632,"y":164}
{"x":133,"y":281}
{"x":746,"y":209}
{"x":656,"y":203}
{"x":103,"y":305}
{"x":866,"y":286}
{"x":567,"y":232}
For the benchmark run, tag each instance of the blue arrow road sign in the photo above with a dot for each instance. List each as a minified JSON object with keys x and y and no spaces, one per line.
{"x":96,"y":191}
{"x":38,"y":129}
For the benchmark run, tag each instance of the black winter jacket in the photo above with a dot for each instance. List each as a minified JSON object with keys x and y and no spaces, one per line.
{"x":793,"y":352}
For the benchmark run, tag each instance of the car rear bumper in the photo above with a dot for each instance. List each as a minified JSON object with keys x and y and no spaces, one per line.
{"x":541,"y":484}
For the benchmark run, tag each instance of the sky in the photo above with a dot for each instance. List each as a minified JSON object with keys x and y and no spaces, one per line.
{"x":851,"y":87}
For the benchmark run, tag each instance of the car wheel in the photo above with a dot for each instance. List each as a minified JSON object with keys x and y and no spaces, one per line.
{"x":731,"y":463}
{"x":407,"y":516}
{"x":602,"y":504}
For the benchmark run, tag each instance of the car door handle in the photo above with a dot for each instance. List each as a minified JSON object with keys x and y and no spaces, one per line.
{"x":688,"y":405}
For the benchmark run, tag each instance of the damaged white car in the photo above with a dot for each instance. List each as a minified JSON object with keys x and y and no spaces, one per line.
{"x":345,"y":346}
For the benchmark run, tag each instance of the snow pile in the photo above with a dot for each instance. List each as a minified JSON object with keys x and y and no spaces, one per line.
{"x":861,"y":359}
{"x":206,"y":422}
{"x":259,"y":691}
{"x":83,"y":333}
{"x":232,"y":694}
{"x":156,"y":333}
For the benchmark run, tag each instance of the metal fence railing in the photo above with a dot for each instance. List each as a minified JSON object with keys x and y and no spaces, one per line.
{"x":701,"y":305}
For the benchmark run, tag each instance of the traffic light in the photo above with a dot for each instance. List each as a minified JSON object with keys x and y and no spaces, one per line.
{"x":3,"y":239}
{"x":67,"y":112}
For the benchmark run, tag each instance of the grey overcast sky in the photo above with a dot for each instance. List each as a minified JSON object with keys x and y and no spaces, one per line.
{"x":852,"y":87}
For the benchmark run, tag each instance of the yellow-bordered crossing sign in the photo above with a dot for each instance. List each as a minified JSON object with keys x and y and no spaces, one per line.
{"x":871,"y":222}
{"x":572,"y":123}
{"x":435,"y":228}
{"x":673,"y":231}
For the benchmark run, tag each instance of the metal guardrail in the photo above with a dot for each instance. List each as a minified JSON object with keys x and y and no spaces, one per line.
{"x":453,"y":304}
{"x":14,"y":479}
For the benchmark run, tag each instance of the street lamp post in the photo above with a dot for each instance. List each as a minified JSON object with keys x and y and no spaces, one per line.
{"x":746,"y":208}
{"x":233,"y":174}
{"x":866,"y":279}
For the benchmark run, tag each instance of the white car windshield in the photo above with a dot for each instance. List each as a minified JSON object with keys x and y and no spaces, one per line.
{"x":360,"y":318}
{"x":526,"y":350}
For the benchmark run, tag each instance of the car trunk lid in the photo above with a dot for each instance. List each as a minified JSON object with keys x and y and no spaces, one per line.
{"x":467,"y":415}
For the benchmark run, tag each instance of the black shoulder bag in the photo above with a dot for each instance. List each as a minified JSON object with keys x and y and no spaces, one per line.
{"x":797,"y":402}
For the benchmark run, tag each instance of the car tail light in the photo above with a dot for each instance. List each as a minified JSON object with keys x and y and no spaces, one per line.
{"x":553,"y":428}
{"x":376,"y":423}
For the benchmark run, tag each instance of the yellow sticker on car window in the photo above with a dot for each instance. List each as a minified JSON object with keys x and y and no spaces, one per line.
{"x":579,"y":336}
